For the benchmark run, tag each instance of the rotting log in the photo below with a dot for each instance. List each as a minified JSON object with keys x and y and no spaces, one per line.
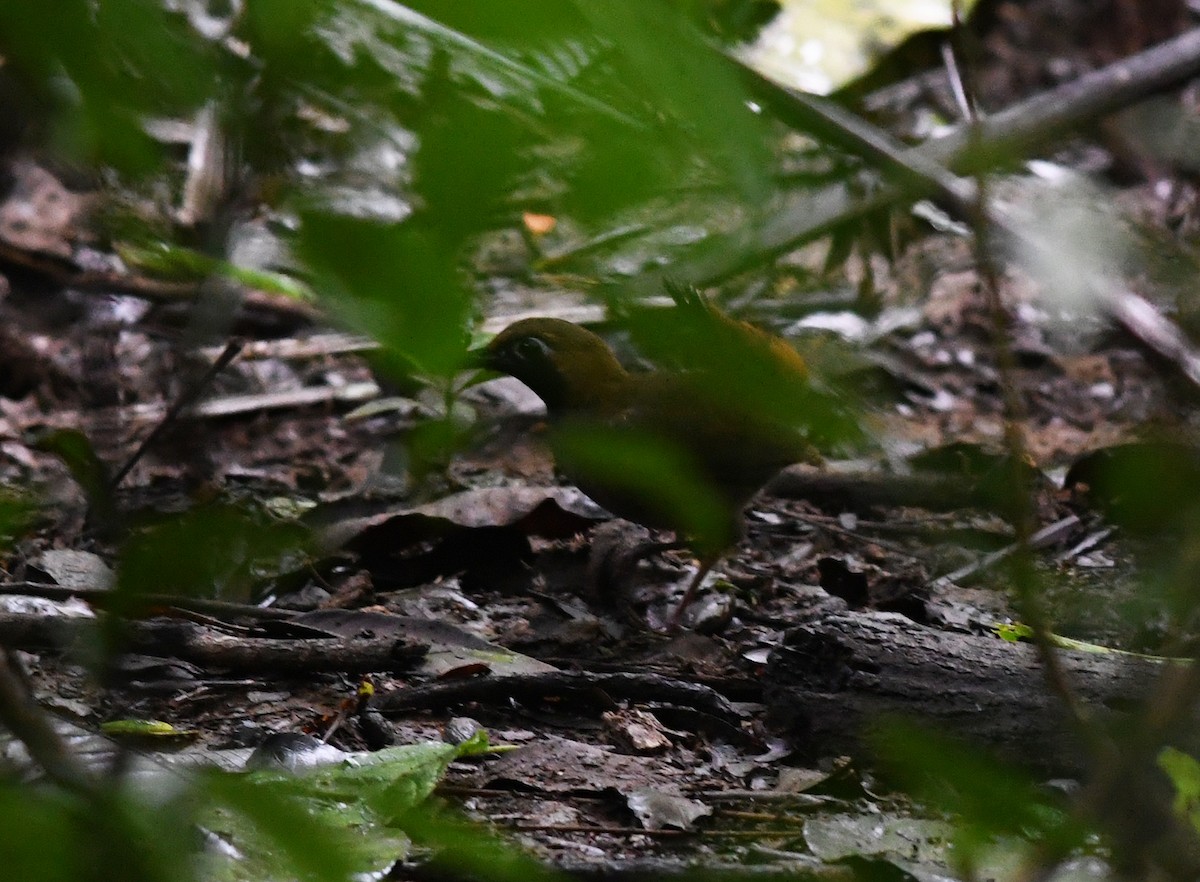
{"x":834,"y":679}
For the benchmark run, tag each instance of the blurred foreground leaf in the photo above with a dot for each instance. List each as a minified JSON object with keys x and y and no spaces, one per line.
{"x":398,"y":283}
{"x":1184,"y":772}
{"x":213,"y":551}
{"x":333,"y":821}
{"x":101,"y":69}
{"x":54,"y":836}
{"x":16,"y":513}
{"x":333,"y":824}
{"x":642,"y":473}
{"x":990,"y":800}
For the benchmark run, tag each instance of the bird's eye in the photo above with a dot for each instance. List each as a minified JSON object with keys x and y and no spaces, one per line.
{"x":531,"y":349}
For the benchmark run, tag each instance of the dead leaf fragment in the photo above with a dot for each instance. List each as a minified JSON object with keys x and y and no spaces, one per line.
{"x":655,"y":809}
{"x":76,"y":569}
{"x":636,"y":731}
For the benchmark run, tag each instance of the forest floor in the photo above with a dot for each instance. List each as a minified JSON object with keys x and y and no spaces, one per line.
{"x":637,"y":748}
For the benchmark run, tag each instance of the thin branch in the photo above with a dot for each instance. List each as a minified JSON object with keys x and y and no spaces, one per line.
{"x":188,"y":397}
{"x":29,"y":723}
{"x":802,"y":215}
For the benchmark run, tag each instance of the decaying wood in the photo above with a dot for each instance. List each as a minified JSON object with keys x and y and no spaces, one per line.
{"x":600,"y":691}
{"x":832,"y":681}
{"x":104,"y":598}
{"x":211,"y":650}
{"x":863,"y":491}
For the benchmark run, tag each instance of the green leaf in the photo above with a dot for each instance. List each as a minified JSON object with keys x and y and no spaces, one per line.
{"x":1184,"y":772}
{"x":332,"y":821}
{"x":1013,"y":632}
{"x":399,"y":283}
{"x":100,"y":69}
{"x":990,"y":799}
{"x":385,"y":784}
{"x":174,"y":262}
{"x":16,"y":514}
{"x":54,"y":836}
{"x":147,"y":730}
{"x":690,"y":83}
{"x":277,"y":833}
{"x":212,"y":551}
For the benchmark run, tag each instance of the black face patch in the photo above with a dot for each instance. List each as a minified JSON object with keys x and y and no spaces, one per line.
{"x":522,"y":355}
{"x":531,"y":360}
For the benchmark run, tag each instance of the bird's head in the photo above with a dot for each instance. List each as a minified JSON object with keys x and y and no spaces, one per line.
{"x":568,"y":367}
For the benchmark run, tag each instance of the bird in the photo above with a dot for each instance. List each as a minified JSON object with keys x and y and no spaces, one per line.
{"x":683,"y":447}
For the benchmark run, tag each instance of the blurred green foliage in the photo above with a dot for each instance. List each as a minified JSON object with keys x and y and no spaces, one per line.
{"x":101,"y":69}
{"x":569,"y":108}
{"x":648,"y":474}
{"x":400,"y":283}
{"x":17,"y":511}
{"x":1183,"y":771}
{"x":328,"y":824}
{"x":215,"y":550}
{"x":990,"y":800}
{"x":52,"y":835}
{"x":388,"y":138}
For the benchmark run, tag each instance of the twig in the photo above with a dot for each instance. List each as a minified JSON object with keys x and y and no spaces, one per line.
{"x":955,"y":78}
{"x":189,"y":395}
{"x":314,"y":346}
{"x":1049,"y":535}
{"x":102,"y":597}
{"x":1088,"y":542}
{"x":611,"y":831}
{"x":800,"y":216}
{"x":307,"y":396}
{"x":598,"y":690}
{"x":30,"y":725}
{"x":985,"y":223}
{"x":1154,"y":330}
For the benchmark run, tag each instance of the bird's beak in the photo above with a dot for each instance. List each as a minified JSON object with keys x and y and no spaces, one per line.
{"x":480,"y":359}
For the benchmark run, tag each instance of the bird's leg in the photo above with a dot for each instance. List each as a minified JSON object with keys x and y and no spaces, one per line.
{"x":706,"y":564}
{"x":707,"y":560}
